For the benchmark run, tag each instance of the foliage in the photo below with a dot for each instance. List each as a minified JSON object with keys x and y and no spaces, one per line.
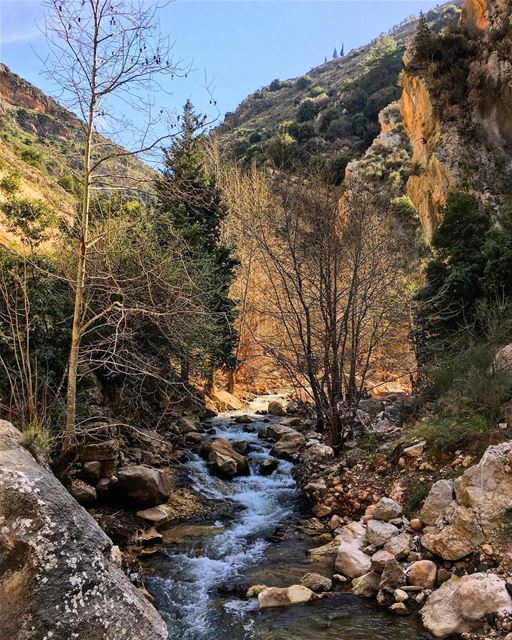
{"x":448,"y":433}
{"x":416,"y":491}
{"x":423,"y":39}
{"x":10,"y":184}
{"x":33,"y":219}
{"x":36,"y":439}
{"x":276,"y":84}
{"x":303,"y":83}
{"x":307,"y":110}
{"x":314,"y":92}
{"x":68,"y":183}
{"x":32,"y":157}
{"x":328,"y":116}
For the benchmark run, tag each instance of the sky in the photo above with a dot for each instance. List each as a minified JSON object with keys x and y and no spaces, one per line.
{"x":238,"y":45}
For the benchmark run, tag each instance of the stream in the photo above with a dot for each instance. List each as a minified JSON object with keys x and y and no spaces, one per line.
{"x":196,"y":560}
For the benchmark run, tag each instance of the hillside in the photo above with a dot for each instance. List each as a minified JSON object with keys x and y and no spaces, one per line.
{"x":331,"y":114}
{"x":41,"y":147}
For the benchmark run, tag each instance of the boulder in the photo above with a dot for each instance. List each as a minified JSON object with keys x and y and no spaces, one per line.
{"x":317,"y":452}
{"x":393,"y":577}
{"x":438,"y":500}
{"x":386,"y":509}
{"x":225,"y":401}
{"x":399,"y":546}
{"x":422,"y":574}
{"x":458,"y":534}
{"x":399,"y":609}
{"x":371,"y":406}
{"x":158,"y":515}
{"x":277,"y":431}
{"x":503,"y":358}
{"x":143,"y":485}
{"x":276,"y":408}
{"x":378,"y":532}
{"x":268,"y":466}
{"x":461,"y":604}
{"x":82,"y":492}
{"x":284,"y":597}
{"x":316,"y":582}
{"x":380,"y":559}
{"x":325,"y":554}
{"x":223,"y":459}
{"x":92,"y":471}
{"x":289,"y":446}
{"x":243,"y":419}
{"x":351,"y":561}
{"x":57,"y":576}
{"x":366,"y":585}
{"x":189,"y":424}
{"x":107,"y":450}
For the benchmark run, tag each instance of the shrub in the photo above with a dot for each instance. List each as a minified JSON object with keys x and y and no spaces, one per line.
{"x":276,"y":84}
{"x":358,"y":125}
{"x":326,"y":118}
{"x":283,"y":150}
{"x":307,"y":110}
{"x":255,"y":137}
{"x":10,"y":184}
{"x":68,"y":183}
{"x":32,"y":157}
{"x":36,"y":439}
{"x":303,"y":83}
{"x":314,"y":92}
{"x":448,"y":433}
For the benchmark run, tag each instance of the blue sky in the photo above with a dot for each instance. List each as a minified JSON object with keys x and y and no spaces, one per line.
{"x":240,"y":45}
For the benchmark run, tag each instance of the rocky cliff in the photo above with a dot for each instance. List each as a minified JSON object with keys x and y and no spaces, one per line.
{"x":457,"y":111}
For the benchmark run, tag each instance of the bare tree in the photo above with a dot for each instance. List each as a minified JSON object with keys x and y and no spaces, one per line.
{"x":106,"y":56}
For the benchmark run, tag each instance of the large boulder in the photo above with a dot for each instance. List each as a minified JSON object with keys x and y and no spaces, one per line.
{"x":143,"y":485}
{"x":276,"y":408}
{"x":399,"y":546}
{"x":386,"y":509}
{"x":289,"y":445}
{"x":223,"y":459}
{"x":57,"y":577}
{"x":317,"y":452}
{"x":458,"y":534}
{"x":422,"y":573}
{"x":273,"y":597}
{"x":461,"y":604}
{"x":366,"y":585}
{"x":379,"y":532}
{"x":438,"y":500}
{"x":351,"y":561}
{"x":316,"y":582}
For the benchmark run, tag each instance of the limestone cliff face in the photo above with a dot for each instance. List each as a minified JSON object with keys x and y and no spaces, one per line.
{"x":471,"y":145}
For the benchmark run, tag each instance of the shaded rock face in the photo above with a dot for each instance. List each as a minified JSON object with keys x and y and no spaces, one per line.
{"x":461,"y":604}
{"x":143,"y":485}
{"x":57,"y":579}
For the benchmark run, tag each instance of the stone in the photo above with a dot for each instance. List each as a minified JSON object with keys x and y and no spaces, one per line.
{"x":400,"y":595}
{"x":461,"y":604}
{"x":57,"y":577}
{"x":457,"y":536}
{"x":399,"y":546}
{"x":82,"y":492}
{"x":378,"y":532}
{"x":189,"y":424}
{"x":268,"y":466}
{"x":321,"y":510}
{"x":415,"y":450}
{"x":255,"y":590}
{"x":337,"y":577}
{"x":380,"y":559}
{"x":277,"y":431}
{"x":223,"y":459}
{"x":243,"y":419}
{"x":351,"y":561}
{"x":438,"y":500}
{"x":443,"y":575}
{"x":399,"y":609}
{"x":225,"y":401}
{"x":316,"y":582}
{"x":416,"y":524}
{"x":386,"y":509}
{"x":422,"y":574}
{"x":143,"y":485}
{"x":366,"y":585}
{"x":326,"y":553}
{"x":317,"y":452}
{"x":289,"y":445}
{"x":92,"y":470}
{"x":158,"y":515}
{"x":107,"y":450}
{"x":273,"y":597}
{"x":371,"y":406}
{"x":276,"y":408}
{"x":335,"y":522}
{"x":393,"y":576}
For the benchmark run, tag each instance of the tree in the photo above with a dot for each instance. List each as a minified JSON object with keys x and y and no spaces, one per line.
{"x":342,"y":52}
{"x":99,"y":52}
{"x":325,"y":59}
{"x":335,"y":53}
{"x":189,"y":196}
{"x":423,"y":40}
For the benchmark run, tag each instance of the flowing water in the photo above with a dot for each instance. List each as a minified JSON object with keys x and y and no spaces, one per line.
{"x":189,"y":575}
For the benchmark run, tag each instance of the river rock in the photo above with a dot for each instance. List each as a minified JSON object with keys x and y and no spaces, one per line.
{"x":273,"y":597}
{"x":352,"y":561}
{"x":317,"y":452}
{"x":243,"y":419}
{"x":380,"y":559}
{"x":386,"y":509}
{"x":223,"y":459}
{"x":189,"y":424}
{"x":158,"y":515}
{"x":438,"y":500}
{"x":316,"y":582}
{"x":143,"y":485}
{"x":393,"y":577}
{"x":276,"y":408}
{"x":366,"y":585}
{"x":57,"y":576}
{"x":458,"y":534}
{"x":289,"y":445}
{"x":325,"y":554}
{"x":82,"y":492}
{"x":422,"y":574}
{"x":399,"y":546}
{"x":268,"y":466}
{"x":461,"y":604}
{"x":399,"y":609}
{"x":378,"y":532}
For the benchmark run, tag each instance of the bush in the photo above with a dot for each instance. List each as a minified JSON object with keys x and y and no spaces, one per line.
{"x":416,"y":491}
{"x":326,"y":118}
{"x":10,"y":184}
{"x":303,"y":83}
{"x":32,"y":157}
{"x":284,"y":152}
{"x":276,"y":84}
{"x":255,"y":137}
{"x":36,"y":439}
{"x":302,"y":131}
{"x":359,"y":125}
{"x":307,"y":110}
{"x":68,"y":183}
{"x":314,"y":92}
{"x":449,"y":433}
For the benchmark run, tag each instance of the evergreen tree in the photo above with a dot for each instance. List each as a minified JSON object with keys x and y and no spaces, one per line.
{"x":342,"y":52}
{"x":192,"y":200}
{"x":335,"y":53}
{"x":423,"y":40}
{"x":325,"y":59}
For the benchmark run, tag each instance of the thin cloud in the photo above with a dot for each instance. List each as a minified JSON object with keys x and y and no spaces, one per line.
{"x":21,"y":36}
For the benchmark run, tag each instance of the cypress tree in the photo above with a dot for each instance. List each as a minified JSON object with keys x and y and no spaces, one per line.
{"x":335,"y":53}
{"x":193,"y":202}
{"x":342,"y":52}
{"x":423,"y":39}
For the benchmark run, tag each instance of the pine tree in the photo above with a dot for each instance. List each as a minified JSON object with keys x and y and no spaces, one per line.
{"x":423,"y":40}
{"x":335,"y":53}
{"x":192,"y":200}
{"x":325,"y":59}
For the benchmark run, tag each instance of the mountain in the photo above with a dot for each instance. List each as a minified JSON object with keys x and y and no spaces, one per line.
{"x":331,"y":114}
